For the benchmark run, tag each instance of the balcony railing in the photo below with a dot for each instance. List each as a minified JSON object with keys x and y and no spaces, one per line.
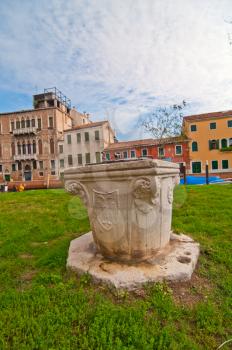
{"x":25,"y":157}
{"x":24,"y":131}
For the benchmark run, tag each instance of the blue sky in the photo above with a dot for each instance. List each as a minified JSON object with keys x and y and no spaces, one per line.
{"x":117,"y":60}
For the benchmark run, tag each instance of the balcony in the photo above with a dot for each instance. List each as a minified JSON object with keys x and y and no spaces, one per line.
{"x":24,"y":131}
{"x":20,"y":157}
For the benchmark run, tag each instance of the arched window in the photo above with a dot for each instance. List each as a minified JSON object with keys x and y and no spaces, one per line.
{"x":52,"y":148}
{"x":213,"y":144}
{"x":24,"y":148}
{"x":13,"y":148}
{"x":22,"y":123}
{"x":28,"y":147}
{"x":34,"y":146}
{"x":19,"y":147}
{"x":224,"y":143}
{"x":28,"y":123}
{"x":194,"y":146}
{"x":40,"y":147}
{"x":17,"y":124}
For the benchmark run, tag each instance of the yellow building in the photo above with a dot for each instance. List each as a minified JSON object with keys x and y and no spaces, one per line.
{"x":210,"y":141}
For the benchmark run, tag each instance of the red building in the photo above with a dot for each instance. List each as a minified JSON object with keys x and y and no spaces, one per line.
{"x":173,"y":149}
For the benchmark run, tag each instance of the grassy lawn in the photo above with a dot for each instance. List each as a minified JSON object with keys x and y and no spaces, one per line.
{"x":44,"y":307}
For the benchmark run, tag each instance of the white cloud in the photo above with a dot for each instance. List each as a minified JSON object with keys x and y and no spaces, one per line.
{"x":119,"y":59}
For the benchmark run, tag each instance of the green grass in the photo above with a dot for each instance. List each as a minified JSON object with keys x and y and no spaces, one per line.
{"x":44,"y":307}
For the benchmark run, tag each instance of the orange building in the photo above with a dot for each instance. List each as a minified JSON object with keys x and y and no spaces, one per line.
{"x":210,"y":141}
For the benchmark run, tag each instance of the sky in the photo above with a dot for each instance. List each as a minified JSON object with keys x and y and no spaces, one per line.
{"x":118,"y":59}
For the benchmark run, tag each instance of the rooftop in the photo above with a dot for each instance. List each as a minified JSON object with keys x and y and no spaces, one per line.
{"x":206,"y":116}
{"x":145,"y":142}
{"x":88,"y":125}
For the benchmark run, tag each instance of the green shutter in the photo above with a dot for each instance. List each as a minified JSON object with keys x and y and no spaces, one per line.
{"x":210,"y":144}
{"x":217,"y":144}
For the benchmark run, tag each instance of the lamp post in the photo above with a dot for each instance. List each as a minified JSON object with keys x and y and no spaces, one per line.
{"x":184,"y":172}
{"x":207,"y":172}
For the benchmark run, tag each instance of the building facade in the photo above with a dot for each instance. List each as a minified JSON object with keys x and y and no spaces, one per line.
{"x":173,"y":149}
{"x":29,"y":140}
{"x":210,"y":142}
{"x":84,"y":144}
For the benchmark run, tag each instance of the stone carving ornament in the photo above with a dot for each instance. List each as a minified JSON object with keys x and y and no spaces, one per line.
{"x":146,"y":194}
{"x":78,"y":189}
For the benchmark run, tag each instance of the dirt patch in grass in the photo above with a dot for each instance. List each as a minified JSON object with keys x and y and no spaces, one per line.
{"x":26,"y":256}
{"x":28,"y":276}
{"x":38,"y":244}
{"x":191,"y":292}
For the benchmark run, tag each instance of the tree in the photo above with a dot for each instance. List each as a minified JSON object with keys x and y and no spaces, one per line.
{"x":165,"y":121}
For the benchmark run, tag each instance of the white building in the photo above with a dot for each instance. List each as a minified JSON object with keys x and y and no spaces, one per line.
{"x":84,"y":144}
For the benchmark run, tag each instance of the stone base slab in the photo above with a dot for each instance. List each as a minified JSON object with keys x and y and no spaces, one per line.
{"x":175,"y":262}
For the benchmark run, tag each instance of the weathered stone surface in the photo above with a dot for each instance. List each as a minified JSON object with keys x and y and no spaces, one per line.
{"x":129,"y":205}
{"x":175,"y":262}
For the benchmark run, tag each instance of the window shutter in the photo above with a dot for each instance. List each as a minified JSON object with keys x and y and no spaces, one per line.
{"x":217,"y":144}
{"x":210,"y":145}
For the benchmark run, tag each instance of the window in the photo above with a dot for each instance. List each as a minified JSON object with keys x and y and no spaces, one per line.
{"x":52,"y":146}
{"x":125,"y":155}
{"x":224,"y":143}
{"x":196,"y":167}
{"x":70,"y":160}
{"x":229,"y":123}
{"x":22,"y":123}
{"x":13,"y":148}
{"x":225,"y":164}
{"x":50,"y":122}
{"x":19,"y":148}
{"x":61,"y":163}
{"x":17,"y":124}
{"x":41,"y":173}
{"x":53,"y":164}
{"x":34,"y":146}
{"x":28,"y":123}
{"x":34,"y":164}
{"x":193,"y":127}
{"x":194,"y":146}
{"x":160,"y":151}
{"x":230,"y":142}
{"x":79,"y":159}
{"x":213,"y":144}
{"x":86,"y":137}
{"x":12,"y":126}
{"x":144,"y":152}
{"x":98,"y":157}
{"x":212,"y":126}
{"x":78,"y":137}
{"x":69,"y":139}
{"x":41,"y":165}
{"x":33,"y":123}
{"x":29,"y":148}
{"x":178,"y":149}
{"x":214,"y":164}
{"x":0,"y":168}
{"x":39,"y":123}
{"x":87,"y":158}
{"x":132,"y":154}
{"x":40,"y":147}
{"x":107,"y":156}
{"x":97,"y":135}
{"x":13,"y":167}
{"x":24,"y":148}
{"x":61,"y":149}
{"x":19,"y":166}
